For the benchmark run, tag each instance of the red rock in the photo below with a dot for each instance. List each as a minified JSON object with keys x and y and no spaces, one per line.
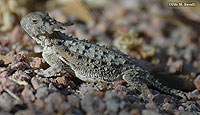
{"x":27,"y":94}
{"x":38,"y":62}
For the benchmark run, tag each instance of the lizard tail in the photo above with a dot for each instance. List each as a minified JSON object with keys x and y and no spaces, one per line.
{"x":155,"y":83}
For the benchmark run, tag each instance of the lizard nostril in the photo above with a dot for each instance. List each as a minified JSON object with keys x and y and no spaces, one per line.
{"x":59,"y":42}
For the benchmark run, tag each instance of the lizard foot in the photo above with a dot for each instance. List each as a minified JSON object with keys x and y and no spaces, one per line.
{"x":44,"y":73}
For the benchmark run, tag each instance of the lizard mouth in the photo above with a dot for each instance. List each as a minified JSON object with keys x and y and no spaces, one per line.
{"x":23,"y":23}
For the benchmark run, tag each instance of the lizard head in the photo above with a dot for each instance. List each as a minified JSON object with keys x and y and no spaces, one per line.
{"x":39,"y":25}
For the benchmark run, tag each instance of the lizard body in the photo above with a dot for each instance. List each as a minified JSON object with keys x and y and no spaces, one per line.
{"x":90,"y":62}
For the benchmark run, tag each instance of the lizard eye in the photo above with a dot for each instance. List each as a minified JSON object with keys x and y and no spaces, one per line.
{"x":34,"y":21}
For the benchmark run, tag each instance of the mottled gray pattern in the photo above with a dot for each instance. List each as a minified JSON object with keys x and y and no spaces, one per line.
{"x":89,"y":61}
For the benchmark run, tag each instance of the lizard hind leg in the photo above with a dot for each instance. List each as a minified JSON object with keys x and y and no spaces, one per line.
{"x":137,"y":84}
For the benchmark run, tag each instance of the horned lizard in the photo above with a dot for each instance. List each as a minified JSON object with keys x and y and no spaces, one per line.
{"x":90,"y":62}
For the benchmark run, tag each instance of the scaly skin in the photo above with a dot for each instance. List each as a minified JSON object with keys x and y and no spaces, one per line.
{"x":90,"y":62}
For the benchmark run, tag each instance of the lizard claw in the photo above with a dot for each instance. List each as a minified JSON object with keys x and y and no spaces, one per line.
{"x":42,"y":72}
{"x":191,"y":96}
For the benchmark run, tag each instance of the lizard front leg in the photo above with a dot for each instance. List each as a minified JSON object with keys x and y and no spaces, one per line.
{"x":56,"y":65}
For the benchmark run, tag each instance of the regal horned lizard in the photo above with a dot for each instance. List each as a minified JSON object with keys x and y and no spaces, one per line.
{"x":90,"y":62}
